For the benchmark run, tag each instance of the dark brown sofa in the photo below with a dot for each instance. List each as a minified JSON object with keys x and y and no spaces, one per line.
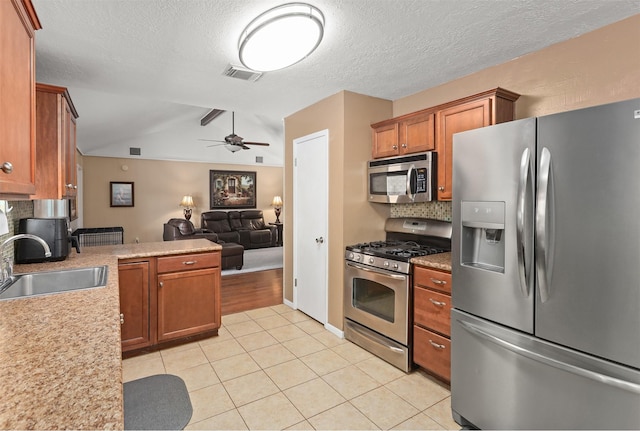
{"x":247,"y":226}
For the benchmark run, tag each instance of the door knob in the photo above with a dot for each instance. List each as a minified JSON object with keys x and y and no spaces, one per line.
{"x":320,"y":240}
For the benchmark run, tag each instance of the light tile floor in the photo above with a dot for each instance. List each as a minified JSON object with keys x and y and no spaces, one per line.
{"x":275,"y":368}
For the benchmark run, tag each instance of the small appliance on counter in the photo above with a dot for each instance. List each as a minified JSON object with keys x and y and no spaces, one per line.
{"x":55,"y":231}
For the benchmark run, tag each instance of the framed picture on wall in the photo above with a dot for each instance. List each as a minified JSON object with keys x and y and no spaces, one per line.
{"x":121,"y":194}
{"x":232,"y":189}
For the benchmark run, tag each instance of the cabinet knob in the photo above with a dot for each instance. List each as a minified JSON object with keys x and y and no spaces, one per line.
{"x":122,"y":318}
{"x":7,"y":167}
{"x":441,"y":188}
{"x":161,"y":284}
{"x":395,"y":147}
{"x":404,"y":145}
{"x":69,"y":186}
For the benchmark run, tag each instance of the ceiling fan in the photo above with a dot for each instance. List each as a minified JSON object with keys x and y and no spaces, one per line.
{"x":231,"y":142}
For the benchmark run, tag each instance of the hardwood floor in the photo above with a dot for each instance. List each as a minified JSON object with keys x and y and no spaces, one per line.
{"x":251,"y":290}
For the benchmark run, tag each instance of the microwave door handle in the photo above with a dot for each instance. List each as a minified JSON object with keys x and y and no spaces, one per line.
{"x":411,"y":184}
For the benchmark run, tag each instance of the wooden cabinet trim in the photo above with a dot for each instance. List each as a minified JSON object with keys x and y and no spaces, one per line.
{"x":187,"y":262}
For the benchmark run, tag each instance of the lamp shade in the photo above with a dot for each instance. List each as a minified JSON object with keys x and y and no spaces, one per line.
{"x":281,"y":37}
{"x":277,"y":202}
{"x":187,"y":201}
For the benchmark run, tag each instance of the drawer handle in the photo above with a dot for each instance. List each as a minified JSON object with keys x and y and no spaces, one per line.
{"x":436,"y":281}
{"x":436,"y":345}
{"x":190,"y":262}
{"x":437,"y":303}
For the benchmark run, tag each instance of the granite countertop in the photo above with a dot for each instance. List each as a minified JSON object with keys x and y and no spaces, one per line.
{"x":60,"y":355}
{"x":441,"y":261}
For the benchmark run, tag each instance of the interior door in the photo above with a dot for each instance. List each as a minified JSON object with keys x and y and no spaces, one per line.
{"x":310,"y":184}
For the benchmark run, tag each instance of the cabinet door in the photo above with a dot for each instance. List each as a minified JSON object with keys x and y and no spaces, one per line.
{"x":385,"y":140}
{"x":133,"y":279}
{"x":70,"y":188}
{"x":417,"y":134}
{"x":188,"y":303}
{"x":17,"y":103}
{"x":459,"y":118}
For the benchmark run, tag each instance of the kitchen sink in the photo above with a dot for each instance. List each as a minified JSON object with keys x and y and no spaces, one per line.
{"x":52,"y":282}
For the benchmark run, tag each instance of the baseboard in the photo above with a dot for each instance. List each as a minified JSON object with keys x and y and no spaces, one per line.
{"x":335,"y":331}
{"x":285,"y":301}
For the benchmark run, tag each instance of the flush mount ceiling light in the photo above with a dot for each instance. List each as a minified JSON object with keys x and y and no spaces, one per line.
{"x":281,"y":37}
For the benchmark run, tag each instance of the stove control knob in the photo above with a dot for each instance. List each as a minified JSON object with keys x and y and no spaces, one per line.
{"x":371,"y":260}
{"x":386,"y":264}
{"x":395,"y":266}
{"x":350,"y":255}
{"x":358,"y":257}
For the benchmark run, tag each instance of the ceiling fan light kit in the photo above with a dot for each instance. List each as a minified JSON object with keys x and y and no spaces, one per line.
{"x":232,"y":142}
{"x":281,"y":37}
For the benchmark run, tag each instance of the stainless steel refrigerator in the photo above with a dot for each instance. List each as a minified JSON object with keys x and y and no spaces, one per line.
{"x":546,"y":272}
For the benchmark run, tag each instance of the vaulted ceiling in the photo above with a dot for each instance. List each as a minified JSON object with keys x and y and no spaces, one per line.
{"x":142,"y":73}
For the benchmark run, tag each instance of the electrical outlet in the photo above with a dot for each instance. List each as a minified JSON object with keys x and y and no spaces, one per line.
{"x":137,"y":240}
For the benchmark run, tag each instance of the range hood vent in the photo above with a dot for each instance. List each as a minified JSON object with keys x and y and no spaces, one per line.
{"x":241,"y":73}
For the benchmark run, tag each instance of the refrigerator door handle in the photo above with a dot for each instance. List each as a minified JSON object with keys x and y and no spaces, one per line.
{"x":544,"y":225}
{"x":552,"y":362}
{"x":523,"y":245}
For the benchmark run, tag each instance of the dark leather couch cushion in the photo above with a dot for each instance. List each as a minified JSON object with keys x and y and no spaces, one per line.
{"x":216,"y":221}
{"x":184,"y":226}
{"x":234,"y":220}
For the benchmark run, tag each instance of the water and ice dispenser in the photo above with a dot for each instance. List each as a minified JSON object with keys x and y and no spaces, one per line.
{"x":483,"y":235}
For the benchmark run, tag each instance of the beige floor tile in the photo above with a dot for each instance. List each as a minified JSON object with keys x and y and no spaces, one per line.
{"x":198,"y":377}
{"x":311,"y":326}
{"x":235,"y":366}
{"x":342,"y":417}
{"x":133,"y":370}
{"x":380,"y":370}
{"x":384,"y":408}
{"x":256,"y":341}
{"x":304,"y":346}
{"x":271,"y":355}
{"x":271,"y":322}
{"x":304,"y":425}
{"x":179,"y":348}
{"x":352,"y":352}
{"x":274,"y":412}
{"x":208,"y":402}
{"x":289,"y":374}
{"x":282,"y":308}
{"x":142,"y":358}
{"x":259,"y":313}
{"x":295,"y":316}
{"x":324,"y":362}
{"x":329,"y":339}
{"x":222,"y":350}
{"x":231,"y":319}
{"x":419,"y":422}
{"x":223,"y":335}
{"x":351,"y":382}
{"x":286,"y":333}
{"x":313,"y":397}
{"x":441,"y":413}
{"x":419,"y":390}
{"x":244,"y":328}
{"x":230,"y":420}
{"x":250,"y":387}
{"x":183,"y":359}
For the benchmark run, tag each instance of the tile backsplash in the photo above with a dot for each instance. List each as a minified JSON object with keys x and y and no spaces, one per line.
{"x":439,"y":210}
{"x":19,"y":209}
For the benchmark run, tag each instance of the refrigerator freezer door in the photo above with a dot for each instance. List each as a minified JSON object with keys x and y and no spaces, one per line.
{"x":492,"y":240}
{"x":588,"y":231}
{"x":503,"y":379}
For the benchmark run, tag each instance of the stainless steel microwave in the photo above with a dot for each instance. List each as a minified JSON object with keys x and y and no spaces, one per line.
{"x":405,"y":179}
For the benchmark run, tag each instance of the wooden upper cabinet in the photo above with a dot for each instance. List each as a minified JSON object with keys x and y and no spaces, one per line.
{"x":18,"y":23}
{"x":408,"y":134}
{"x":481,"y":110}
{"x":56,"y":143}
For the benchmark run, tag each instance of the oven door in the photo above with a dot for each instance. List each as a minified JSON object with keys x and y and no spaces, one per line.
{"x":378,"y":299}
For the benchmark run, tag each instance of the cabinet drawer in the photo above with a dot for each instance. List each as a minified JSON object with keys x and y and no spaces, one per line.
{"x":185,"y":262}
{"x":432,"y":309}
{"x":432,"y":279}
{"x":432,"y":352}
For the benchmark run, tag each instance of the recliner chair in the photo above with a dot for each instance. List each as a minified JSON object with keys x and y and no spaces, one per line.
{"x":254,"y":233}
{"x":218,"y":222}
{"x":177,"y":229}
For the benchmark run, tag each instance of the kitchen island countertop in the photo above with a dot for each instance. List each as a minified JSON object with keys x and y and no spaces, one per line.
{"x":60,"y":356}
{"x":441,"y":261}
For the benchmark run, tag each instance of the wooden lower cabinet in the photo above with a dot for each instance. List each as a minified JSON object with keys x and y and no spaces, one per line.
{"x":168,"y":298}
{"x":133,"y":279}
{"x":432,"y":321}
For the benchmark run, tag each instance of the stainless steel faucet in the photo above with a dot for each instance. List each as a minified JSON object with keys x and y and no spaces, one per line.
{"x":6,"y":268}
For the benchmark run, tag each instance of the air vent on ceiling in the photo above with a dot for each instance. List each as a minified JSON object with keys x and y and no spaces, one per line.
{"x":258,"y":159}
{"x":242,"y":73}
{"x":133,"y":151}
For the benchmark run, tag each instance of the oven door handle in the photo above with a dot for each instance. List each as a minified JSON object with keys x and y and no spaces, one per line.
{"x":378,"y":272}
{"x":388,"y":346}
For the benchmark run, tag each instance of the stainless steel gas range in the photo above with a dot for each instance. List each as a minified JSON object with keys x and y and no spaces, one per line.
{"x":378,"y":294}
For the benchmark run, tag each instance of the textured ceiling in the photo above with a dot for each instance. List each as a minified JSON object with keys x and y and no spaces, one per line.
{"x":143,"y":72}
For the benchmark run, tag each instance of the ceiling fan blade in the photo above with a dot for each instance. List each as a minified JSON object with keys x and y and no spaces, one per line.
{"x":211,"y":140}
{"x":264,"y":144}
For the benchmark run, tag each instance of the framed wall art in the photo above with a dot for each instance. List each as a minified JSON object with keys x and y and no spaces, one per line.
{"x":232,"y":189}
{"x":121,"y":194}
